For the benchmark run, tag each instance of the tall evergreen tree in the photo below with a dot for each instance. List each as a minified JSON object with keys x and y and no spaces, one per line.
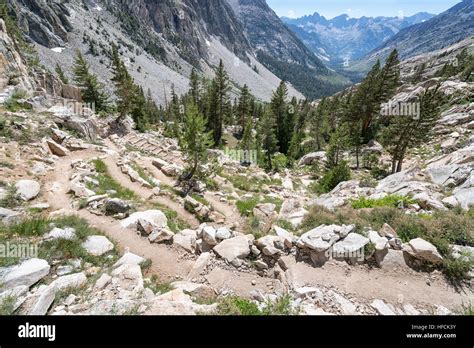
{"x":267,"y":137}
{"x":195,"y":87}
{"x":408,"y":131}
{"x":244,"y":108}
{"x":62,"y":76}
{"x":195,"y":141}
{"x":279,"y":108}
{"x":319,"y":126}
{"x":125,"y":89}
{"x":92,"y":90}
{"x":338,"y":144}
{"x":219,"y":103}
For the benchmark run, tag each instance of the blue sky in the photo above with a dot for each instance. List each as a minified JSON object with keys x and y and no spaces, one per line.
{"x":359,"y":8}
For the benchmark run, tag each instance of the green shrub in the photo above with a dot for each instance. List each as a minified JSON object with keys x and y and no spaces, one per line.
{"x":99,"y":165}
{"x":175,"y":224}
{"x":279,"y":162}
{"x":388,"y":201}
{"x":32,"y":227}
{"x":282,"y":306}
{"x":7,"y":305}
{"x":143,"y":174}
{"x":156,"y":285}
{"x":246,"y":206}
{"x":334,"y":177}
{"x":456,"y":270}
{"x":106,"y":183}
{"x":12,"y":104}
{"x":237,"y":306}
{"x":11,"y":199}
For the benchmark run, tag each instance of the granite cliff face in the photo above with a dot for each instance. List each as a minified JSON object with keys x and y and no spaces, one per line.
{"x":186,"y":34}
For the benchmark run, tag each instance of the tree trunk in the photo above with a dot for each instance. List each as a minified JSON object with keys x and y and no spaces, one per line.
{"x":357,"y":156}
{"x":400,"y":164}
{"x":394,"y":165}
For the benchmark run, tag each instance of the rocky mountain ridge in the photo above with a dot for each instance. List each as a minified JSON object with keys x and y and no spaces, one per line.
{"x":439,"y":32}
{"x":343,"y":39}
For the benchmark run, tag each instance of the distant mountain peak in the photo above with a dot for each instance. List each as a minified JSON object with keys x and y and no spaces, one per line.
{"x":344,"y":37}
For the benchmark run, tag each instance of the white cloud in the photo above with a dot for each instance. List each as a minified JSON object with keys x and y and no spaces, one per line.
{"x":291,"y":14}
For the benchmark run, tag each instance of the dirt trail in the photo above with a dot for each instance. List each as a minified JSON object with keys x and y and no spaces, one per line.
{"x":394,"y":286}
{"x":144,"y":192}
{"x":165,"y":261}
{"x":230,"y":211}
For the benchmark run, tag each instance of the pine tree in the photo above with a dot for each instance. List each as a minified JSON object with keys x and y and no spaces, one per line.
{"x":246,"y":143}
{"x":195,"y":141}
{"x":125,"y":89}
{"x":279,"y":108}
{"x":62,"y":76}
{"x":218,"y":103}
{"x":366,"y":102}
{"x":151,"y":109}
{"x":92,"y":90}
{"x":296,"y":150}
{"x":406,"y":132}
{"x":418,"y":74}
{"x":194,"y":87}
{"x":243,"y":108}
{"x":338,"y":144}
{"x":319,"y":124}
{"x":267,"y":137}
{"x":390,"y":76}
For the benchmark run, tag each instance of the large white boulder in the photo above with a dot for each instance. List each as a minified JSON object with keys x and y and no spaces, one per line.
{"x":129,"y":259}
{"x":323,"y":237}
{"x":155,"y":217}
{"x":97,"y":245}
{"x":423,"y":250}
{"x":26,"y":273}
{"x":233,"y":249}
{"x":310,"y":158}
{"x":353,"y":243}
{"x":27,"y":189}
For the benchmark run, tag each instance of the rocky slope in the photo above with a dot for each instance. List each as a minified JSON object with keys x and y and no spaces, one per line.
{"x":346,"y":39}
{"x":163,"y":41}
{"x":111,"y":235}
{"x":441,"y":31}
{"x":159,"y":41}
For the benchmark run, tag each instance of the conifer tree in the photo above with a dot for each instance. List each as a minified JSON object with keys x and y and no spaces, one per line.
{"x":194,"y":87}
{"x":195,"y":140}
{"x":92,"y":90}
{"x":244,"y":108}
{"x":125,"y":89}
{"x":338,"y":144}
{"x":279,"y":108}
{"x":319,"y":124}
{"x":218,"y":103}
{"x":406,"y":132}
{"x":246,"y":143}
{"x":267,"y":137}
{"x":62,"y":76}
